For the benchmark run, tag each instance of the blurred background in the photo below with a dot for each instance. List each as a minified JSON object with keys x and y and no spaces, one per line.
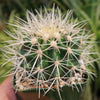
{"x":83,"y":9}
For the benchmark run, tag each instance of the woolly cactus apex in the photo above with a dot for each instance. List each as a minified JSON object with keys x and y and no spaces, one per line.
{"x":50,"y":51}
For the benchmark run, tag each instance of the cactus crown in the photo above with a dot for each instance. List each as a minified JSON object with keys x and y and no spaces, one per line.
{"x":50,"y":50}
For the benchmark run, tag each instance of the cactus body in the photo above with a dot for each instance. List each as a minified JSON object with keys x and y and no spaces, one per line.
{"x":50,"y":51}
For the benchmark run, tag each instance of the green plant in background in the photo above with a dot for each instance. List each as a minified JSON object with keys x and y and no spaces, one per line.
{"x":50,"y":51}
{"x":5,"y":37}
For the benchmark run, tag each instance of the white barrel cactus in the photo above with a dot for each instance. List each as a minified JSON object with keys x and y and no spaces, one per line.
{"x":49,"y":51}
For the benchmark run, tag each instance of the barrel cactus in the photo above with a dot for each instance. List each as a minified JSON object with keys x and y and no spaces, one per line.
{"x":50,"y":51}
